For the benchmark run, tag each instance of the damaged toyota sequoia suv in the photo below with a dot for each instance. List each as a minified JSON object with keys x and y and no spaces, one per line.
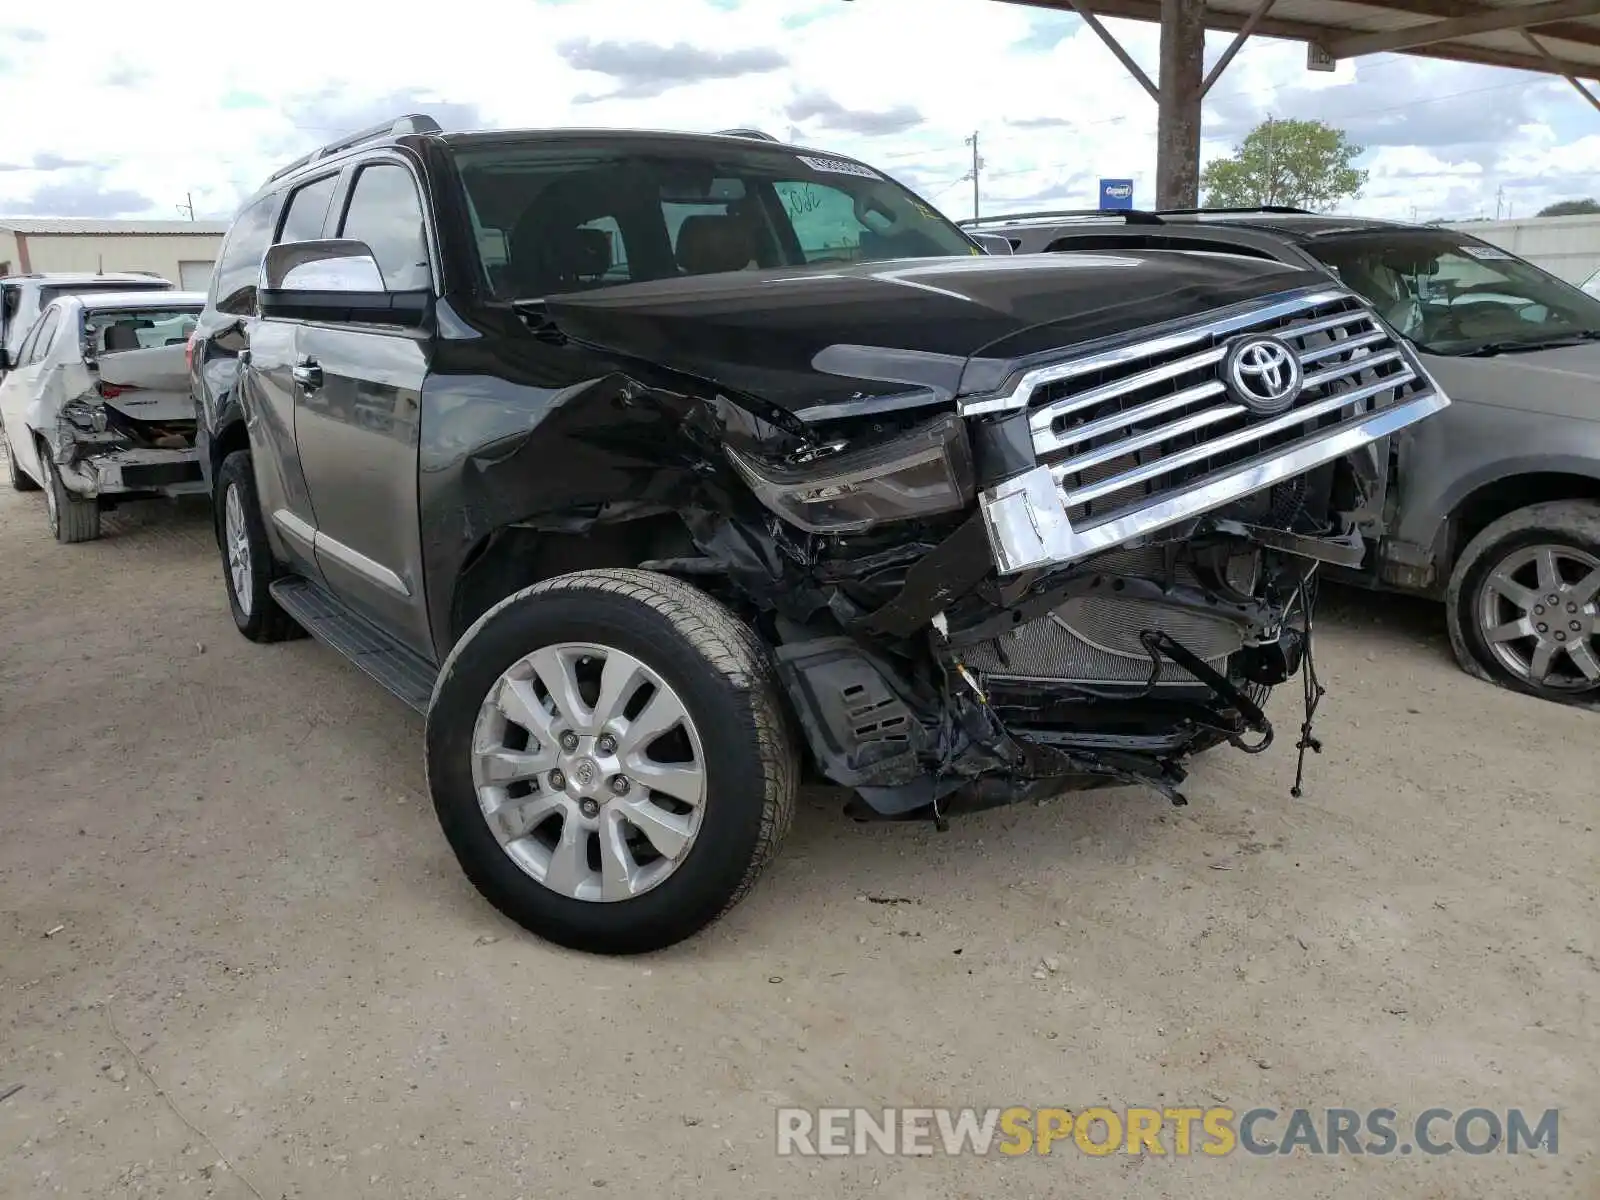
{"x":656,"y":469}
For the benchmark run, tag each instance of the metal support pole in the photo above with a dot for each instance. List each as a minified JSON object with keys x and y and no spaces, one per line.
{"x":1123,"y":57}
{"x":1544,"y":51}
{"x":1239,"y":39}
{"x":1183,"y":47}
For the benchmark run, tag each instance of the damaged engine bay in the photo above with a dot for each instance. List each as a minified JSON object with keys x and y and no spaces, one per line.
{"x":1080,"y":578}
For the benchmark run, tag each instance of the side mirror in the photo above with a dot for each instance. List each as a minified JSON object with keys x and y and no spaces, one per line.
{"x":334,"y":280}
{"x":993,"y":243}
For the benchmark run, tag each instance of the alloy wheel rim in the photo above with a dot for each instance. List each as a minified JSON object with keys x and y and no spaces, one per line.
{"x":1539,"y":614}
{"x":238,"y":543}
{"x":590,"y":771}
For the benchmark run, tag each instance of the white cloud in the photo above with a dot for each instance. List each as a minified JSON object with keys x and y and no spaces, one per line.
{"x":209,"y":104}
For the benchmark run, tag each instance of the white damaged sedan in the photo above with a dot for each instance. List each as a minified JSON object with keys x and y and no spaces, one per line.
{"x":97,"y":407}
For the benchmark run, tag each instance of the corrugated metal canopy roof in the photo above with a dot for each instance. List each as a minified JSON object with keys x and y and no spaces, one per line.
{"x":1565,"y":33}
{"x":78,"y":225}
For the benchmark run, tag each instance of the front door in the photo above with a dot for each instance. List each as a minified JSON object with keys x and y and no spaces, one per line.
{"x":358,"y":395}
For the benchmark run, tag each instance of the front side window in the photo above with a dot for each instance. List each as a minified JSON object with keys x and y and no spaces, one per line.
{"x":1452,"y":294}
{"x":308,"y":209}
{"x":386,"y":213}
{"x":233,"y":284}
{"x":554,"y":218}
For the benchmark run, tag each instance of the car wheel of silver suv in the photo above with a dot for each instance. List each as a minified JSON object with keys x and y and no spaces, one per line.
{"x":610,"y":759}
{"x":1524,"y":601}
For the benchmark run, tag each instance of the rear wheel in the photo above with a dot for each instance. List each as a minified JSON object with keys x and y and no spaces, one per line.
{"x":73,"y":518}
{"x":609,"y":759}
{"x":1524,"y":601}
{"x":247,"y":564}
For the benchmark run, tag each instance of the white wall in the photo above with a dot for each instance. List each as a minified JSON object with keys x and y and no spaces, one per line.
{"x":117,"y":252}
{"x":1567,"y":247}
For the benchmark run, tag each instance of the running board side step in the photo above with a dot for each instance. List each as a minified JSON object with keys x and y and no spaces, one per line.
{"x":401,"y":670}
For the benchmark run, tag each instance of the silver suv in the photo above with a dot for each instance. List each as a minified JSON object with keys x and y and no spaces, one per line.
{"x":1496,"y":504}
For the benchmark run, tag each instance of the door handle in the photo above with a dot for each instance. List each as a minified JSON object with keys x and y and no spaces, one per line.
{"x":308,"y":373}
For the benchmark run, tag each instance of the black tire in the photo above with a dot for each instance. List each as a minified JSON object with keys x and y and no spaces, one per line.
{"x":21,"y":481}
{"x":73,"y":518}
{"x":725,"y":679}
{"x":257,"y":614}
{"x":1567,"y":524}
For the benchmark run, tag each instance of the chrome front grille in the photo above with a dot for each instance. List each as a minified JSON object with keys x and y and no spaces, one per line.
{"x":1149,"y":434}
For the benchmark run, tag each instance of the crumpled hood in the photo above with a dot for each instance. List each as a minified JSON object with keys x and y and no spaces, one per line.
{"x":802,"y":337}
{"x":1563,"y":381}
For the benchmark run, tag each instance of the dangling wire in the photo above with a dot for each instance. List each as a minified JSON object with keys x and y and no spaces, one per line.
{"x":1312,"y":690}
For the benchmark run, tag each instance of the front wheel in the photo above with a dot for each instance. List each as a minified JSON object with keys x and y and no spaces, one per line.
{"x":610,"y":760}
{"x":1524,"y":601}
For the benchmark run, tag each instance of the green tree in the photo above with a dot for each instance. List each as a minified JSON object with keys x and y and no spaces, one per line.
{"x":1300,"y":164}
{"x":1569,"y":208}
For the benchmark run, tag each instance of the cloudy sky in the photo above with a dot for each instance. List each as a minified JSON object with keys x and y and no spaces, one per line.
{"x":108,"y":110}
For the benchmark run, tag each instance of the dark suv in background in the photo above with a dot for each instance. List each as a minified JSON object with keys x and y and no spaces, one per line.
{"x":1497,"y":504}
{"x":655,"y":467}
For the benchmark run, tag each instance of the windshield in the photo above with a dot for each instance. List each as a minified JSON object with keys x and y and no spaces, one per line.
{"x":552,"y":219}
{"x":113,"y":332}
{"x":1452,"y":294}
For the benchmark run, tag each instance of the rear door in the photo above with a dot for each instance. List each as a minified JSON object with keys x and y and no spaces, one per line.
{"x":357,"y":404}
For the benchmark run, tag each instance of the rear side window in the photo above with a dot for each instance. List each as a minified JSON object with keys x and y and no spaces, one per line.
{"x":308,"y":208}
{"x":239,"y":267}
{"x":386,"y":213}
{"x":39,"y":343}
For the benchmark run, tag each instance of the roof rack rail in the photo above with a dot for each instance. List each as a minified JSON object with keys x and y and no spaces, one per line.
{"x":1132,"y":216}
{"x":399,"y":127}
{"x":756,"y":134}
{"x":1239,"y":208}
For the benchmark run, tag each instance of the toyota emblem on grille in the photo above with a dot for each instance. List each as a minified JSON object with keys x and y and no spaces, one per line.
{"x":1263,"y":374}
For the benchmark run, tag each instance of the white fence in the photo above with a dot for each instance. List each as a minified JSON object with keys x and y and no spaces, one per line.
{"x":1567,"y":247}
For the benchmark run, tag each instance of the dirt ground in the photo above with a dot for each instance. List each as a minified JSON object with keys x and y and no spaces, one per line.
{"x":267,"y":977}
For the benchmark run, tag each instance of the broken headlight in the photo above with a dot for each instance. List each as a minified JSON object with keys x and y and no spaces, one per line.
{"x":848,"y":488}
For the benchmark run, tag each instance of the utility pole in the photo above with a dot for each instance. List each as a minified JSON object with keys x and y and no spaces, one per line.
{"x":977,"y":166}
{"x":1272,"y":164}
{"x":188,"y":206}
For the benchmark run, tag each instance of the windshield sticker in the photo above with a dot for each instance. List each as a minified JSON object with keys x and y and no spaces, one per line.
{"x":1486,"y":253}
{"x":837,"y":166}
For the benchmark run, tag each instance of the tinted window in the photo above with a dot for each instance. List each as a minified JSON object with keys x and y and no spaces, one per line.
{"x":114,"y":332}
{"x":552,"y":219}
{"x":824,"y":220}
{"x":42,"y":336}
{"x":385,"y":213}
{"x":1453,"y":294}
{"x":234,"y":283}
{"x":29,"y":338}
{"x":308,"y":208}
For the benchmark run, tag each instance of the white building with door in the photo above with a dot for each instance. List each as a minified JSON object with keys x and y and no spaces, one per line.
{"x":182,"y":251}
